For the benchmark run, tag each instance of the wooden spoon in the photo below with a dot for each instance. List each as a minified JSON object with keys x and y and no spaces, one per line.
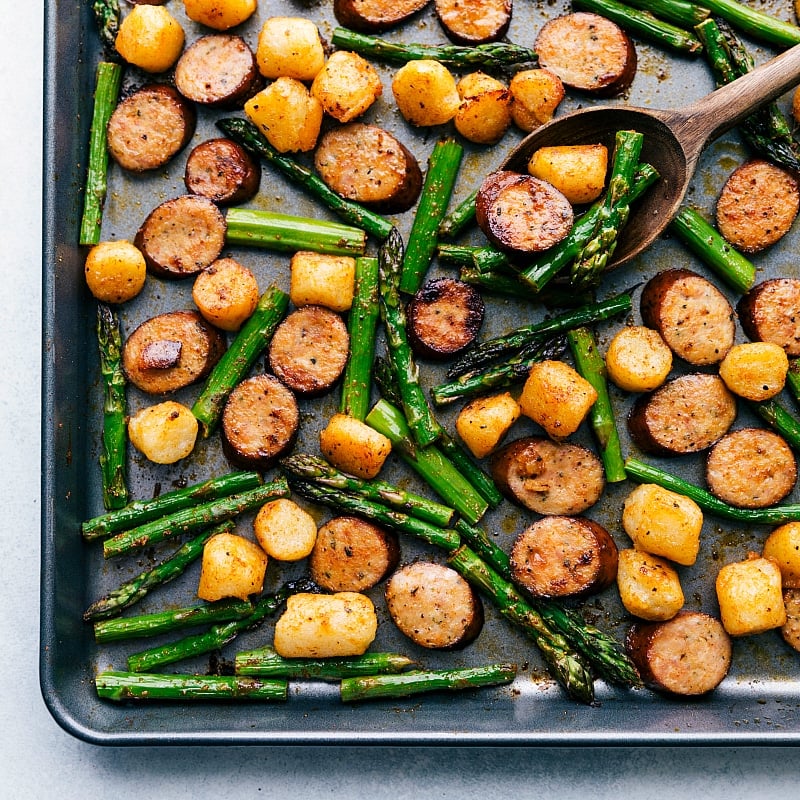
{"x":673,"y":141}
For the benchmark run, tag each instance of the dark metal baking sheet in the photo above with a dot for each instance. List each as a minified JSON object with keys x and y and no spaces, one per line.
{"x":756,"y":704}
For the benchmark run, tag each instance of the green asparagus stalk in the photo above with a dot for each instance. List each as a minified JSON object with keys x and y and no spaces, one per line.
{"x":133,"y":590}
{"x":160,"y":622}
{"x":255,"y":228}
{"x":140,"y":511}
{"x":757,"y":24}
{"x":237,"y":360}
{"x":421,"y":421}
{"x":565,"y":664}
{"x":266,"y":663}
{"x":362,"y":326}
{"x":218,"y":636}
{"x":778,"y":418}
{"x":485,"y":352}
{"x":428,"y":462}
{"x":501,"y":57}
{"x":497,"y":282}
{"x":707,"y":244}
{"x":643,"y":24}
{"x":124,"y":686}
{"x":113,"y":457}
{"x":108,"y":80}
{"x":682,"y":13}
{"x":248,"y":135}
{"x":190,"y":519}
{"x":793,"y":379}
{"x":457,"y":220}
{"x":484,"y":259}
{"x":107,"y":16}
{"x":592,"y":367}
{"x":588,"y":266}
{"x":377,"y":512}
{"x":774,"y":515}
{"x":443,"y":167}
{"x":312,"y":469}
{"x":408,"y":684}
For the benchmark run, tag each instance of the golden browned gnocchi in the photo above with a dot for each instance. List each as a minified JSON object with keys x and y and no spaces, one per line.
{"x":150,"y":38}
{"x":783,"y":547}
{"x":289,"y":47}
{"x":353,"y":446}
{"x":226,"y":293}
{"x":285,"y":531}
{"x":346,"y":86}
{"x":649,"y":587}
{"x":485,"y":111}
{"x":164,"y":433}
{"x":322,"y":279}
{"x":755,"y":370}
{"x":750,"y":596}
{"x":115,"y":271}
{"x":578,"y":171}
{"x":220,"y":14}
{"x":535,"y":96}
{"x":231,"y":566}
{"x":425,"y":92}
{"x":483,"y":422}
{"x":638,"y":359}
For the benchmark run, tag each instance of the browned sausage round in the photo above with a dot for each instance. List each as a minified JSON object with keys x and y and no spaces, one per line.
{"x":791,"y":630}
{"x":182,"y":237}
{"x":686,"y":415}
{"x":352,"y":555}
{"x":259,"y":423}
{"x":373,"y":16}
{"x":564,"y":557}
{"x":170,"y":351}
{"x":149,"y":127}
{"x":689,"y":654}
{"x":223,"y":171}
{"x":521,"y":213}
{"x":548,"y":478}
{"x":751,"y":468}
{"x":470,"y":22}
{"x":434,"y":606}
{"x":218,"y":70}
{"x":769,"y":313}
{"x":444,"y":318}
{"x":309,"y":349}
{"x":588,"y":52}
{"x":693,"y":317}
{"x":367,"y":164}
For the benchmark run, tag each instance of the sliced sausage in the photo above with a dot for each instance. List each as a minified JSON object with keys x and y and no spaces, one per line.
{"x":309,"y":349}
{"x":374,"y":16}
{"x":564,"y":557}
{"x":751,"y":468}
{"x":223,"y":171}
{"x":149,"y":127}
{"x":444,"y":318}
{"x":685,"y":415}
{"x":689,"y":654}
{"x":770,"y":312}
{"x":367,"y":164}
{"x":757,"y":205}
{"x":521,"y":213}
{"x":182,"y":236}
{"x":434,"y":606}
{"x":259,"y":423}
{"x":548,"y":478}
{"x":352,"y":555}
{"x":470,"y":22}
{"x":218,"y":70}
{"x":693,"y":317}
{"x":149,"y":354}
{"x":588,"y":52}
{"x":791,"y":629}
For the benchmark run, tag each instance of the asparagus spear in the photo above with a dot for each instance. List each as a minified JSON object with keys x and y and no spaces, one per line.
{"x":383,"y":515}
{"x":644,"y":24}
{"x":248,"y":135}
{"x":138,"y":587}
{"x":315,"y":470}
{"x":218,"y":635}
{"x":108,"y":79}
{"x":123,"y":686}
{"x":250,"y":341}
{"x":443,"y":166}
{"x":494,"y":57}
{"x":777,"y":417}
{"x":107,"y":17}
{"x":140,"y":511}
{"x":755,"y":23}
{"x":112,"y":459}
{"x":266,"y":663}
{"x":588,"y":266}
{"x":683,"y":13}
{"x":793,"y":379}
{"x":484,"y":259}
{"x":498,"y":282}
{"x":190,"y":519}
{"x":144,"y":625}
{"x":455,"y":221}
{"x":567,"y":666}
{"x":419,"y":415}
{"x":380,"y":687}
{"x":592,"y":367}
{"x":362,"y":326}
{"x":706,"y":243}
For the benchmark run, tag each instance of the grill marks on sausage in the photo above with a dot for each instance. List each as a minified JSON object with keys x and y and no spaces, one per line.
{"x":770,"y":312}
{"x":223,"y":171}
{"x":471,"y":22}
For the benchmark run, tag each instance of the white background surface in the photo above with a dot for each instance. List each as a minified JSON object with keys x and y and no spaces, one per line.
{"x":40,"y":760}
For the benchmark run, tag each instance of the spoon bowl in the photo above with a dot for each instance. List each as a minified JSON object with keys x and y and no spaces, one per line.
{"x":673,"y":141}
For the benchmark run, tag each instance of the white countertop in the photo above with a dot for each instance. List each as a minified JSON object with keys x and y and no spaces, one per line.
{"x":40,"y":760}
